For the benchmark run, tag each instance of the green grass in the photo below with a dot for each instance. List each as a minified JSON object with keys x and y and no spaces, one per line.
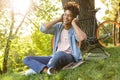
{"x":105,"y":69}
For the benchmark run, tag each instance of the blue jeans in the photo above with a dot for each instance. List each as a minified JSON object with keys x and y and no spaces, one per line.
{"x":58,"y":61}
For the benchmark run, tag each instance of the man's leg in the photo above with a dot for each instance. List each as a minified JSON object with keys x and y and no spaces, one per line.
{"x":59,"y":60}
{"x":37,"y":63}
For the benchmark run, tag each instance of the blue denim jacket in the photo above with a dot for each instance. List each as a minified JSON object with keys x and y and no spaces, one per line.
{"x":56,"y":31}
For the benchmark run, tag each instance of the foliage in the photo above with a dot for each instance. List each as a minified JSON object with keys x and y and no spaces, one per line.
{"x":44,"y":12}
{"x":19,"y":49}
{"x":42,"y":43}
{"x":37,"y":44}
{"x":4,"y":25}
{"x":112,"y":9}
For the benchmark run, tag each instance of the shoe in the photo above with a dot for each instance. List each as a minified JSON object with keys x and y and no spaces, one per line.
{"x":51,"y":71}
{"x":29,"y":72}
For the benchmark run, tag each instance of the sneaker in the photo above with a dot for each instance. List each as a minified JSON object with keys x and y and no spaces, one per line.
{"x":51,"y":71}
{"x":29,"y":72}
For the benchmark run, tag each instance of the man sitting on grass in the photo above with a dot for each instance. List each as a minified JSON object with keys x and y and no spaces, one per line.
{"x":67,"y":35}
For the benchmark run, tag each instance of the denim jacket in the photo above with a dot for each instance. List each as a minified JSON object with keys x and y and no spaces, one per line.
{"x":56,"y":31}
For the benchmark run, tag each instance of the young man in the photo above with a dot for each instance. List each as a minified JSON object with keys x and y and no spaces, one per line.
{"x":67,"y":35}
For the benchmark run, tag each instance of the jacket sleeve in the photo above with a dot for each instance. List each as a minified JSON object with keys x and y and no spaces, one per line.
{"x":76,"y":37}
{"x":52,"y":30}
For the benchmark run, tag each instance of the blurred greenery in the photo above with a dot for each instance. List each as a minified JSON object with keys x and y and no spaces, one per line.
{"x":113,"y":7}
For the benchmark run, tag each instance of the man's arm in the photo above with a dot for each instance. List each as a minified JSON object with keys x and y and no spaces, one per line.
{"x":80,"y":34}
{"x":51,"y":23}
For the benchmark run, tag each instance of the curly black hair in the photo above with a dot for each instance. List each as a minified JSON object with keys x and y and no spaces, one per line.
{"x":73,"y":7}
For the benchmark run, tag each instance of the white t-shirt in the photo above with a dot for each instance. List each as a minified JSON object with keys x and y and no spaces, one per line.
{"x":64,"y":44}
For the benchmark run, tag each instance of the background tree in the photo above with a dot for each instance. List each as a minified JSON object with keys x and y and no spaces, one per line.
{"x":113,"y":10}
{"x":11,"y":34}
{"x":16,"y":48}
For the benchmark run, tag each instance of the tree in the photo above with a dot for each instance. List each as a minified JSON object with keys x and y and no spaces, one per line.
{"x":10,"y":37}
{"x":40,"y":12}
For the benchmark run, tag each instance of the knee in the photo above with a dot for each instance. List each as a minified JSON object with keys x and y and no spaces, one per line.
{"x":59,"y":56}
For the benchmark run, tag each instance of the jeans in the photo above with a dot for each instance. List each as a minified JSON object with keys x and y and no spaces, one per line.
{"x":58,"y":61}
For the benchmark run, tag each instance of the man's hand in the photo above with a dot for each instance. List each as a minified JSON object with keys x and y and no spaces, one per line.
{"x":74,"y":21}
{"x":80,"y":34}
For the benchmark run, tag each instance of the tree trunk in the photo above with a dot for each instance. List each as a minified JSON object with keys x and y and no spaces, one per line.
{"x":86,"y":16}
{"x":116,"y":18}
{"x":7,"y":48}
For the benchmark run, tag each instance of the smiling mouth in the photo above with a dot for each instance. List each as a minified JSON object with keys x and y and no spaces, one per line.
{"x":65,"y":21}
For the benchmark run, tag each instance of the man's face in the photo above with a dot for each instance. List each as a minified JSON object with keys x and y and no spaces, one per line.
{"x":67,"y":17}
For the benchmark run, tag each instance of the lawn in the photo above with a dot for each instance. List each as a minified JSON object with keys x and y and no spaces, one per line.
{"x":104,"y":69}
